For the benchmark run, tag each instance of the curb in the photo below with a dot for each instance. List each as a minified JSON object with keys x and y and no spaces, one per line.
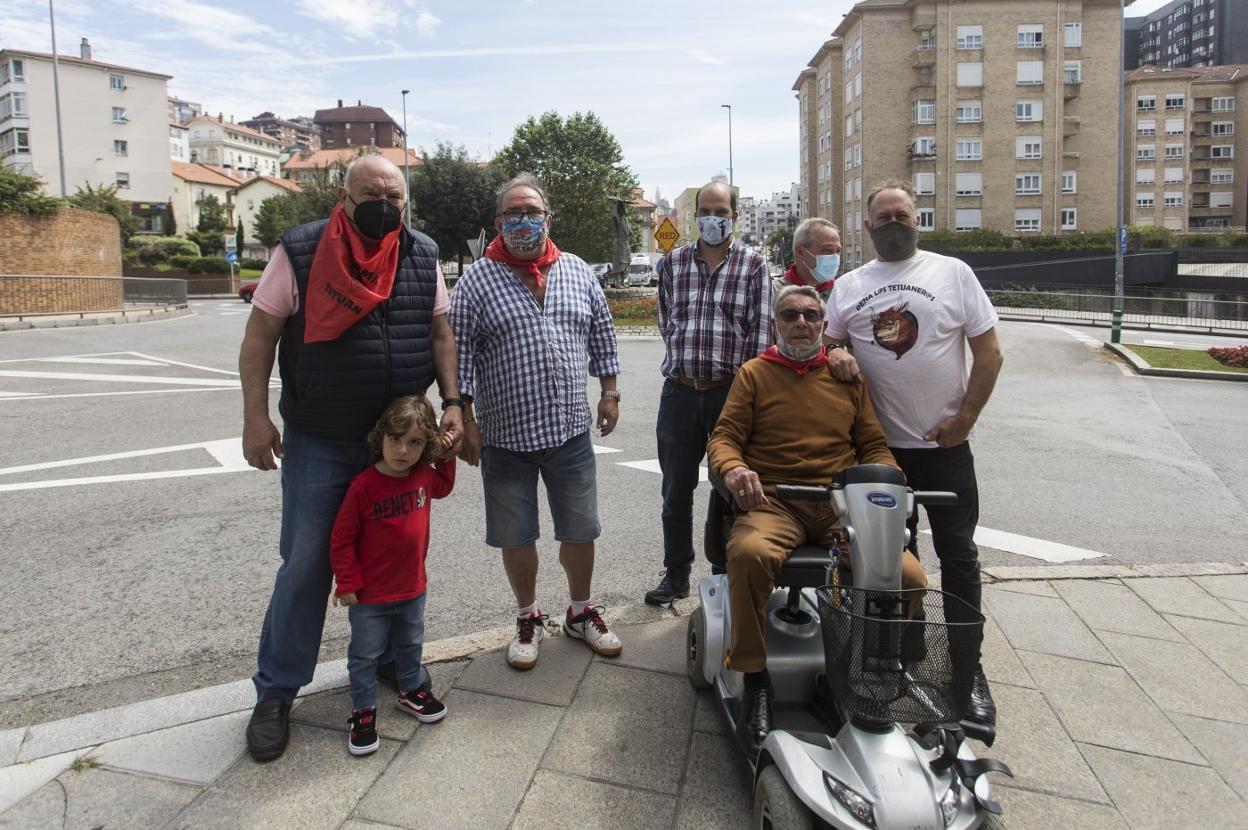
{"x":119,"y":318}
{"x":1023,"y":573}
{"x":1142,"y":367}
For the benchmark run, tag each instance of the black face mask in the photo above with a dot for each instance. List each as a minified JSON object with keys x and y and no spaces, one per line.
{"x":895,"y":240}
{"x":377,"y":218}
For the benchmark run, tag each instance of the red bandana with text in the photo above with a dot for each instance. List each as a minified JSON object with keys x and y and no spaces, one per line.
{"x":350,"y":275}
{"x":772,"y":355}
{"x":498,"y":251}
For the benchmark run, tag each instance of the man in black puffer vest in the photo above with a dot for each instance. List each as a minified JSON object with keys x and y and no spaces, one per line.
{"x":355,"y":310}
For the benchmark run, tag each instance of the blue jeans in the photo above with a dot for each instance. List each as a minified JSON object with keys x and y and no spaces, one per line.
{"x":509,"y":478}
{"x":686,"y":418}
{"x":398,"y":625}
{"x":315,"y":476}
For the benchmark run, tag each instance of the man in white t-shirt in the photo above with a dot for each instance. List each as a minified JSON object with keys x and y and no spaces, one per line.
{"x":909,"y":315}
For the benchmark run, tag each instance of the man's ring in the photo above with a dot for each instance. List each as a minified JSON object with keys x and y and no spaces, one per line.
{"x":741,"y":492}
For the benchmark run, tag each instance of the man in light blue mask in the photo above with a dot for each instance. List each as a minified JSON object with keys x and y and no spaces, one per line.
{"x":816,"y":257}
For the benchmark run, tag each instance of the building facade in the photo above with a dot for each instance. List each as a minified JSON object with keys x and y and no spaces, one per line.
{"x":1187,"y":159}
{"x":328,"y":166}
{"x":240,"y":151}
{"x":193,"y":183}
{"x":179,"y":142}
{"x":1189,"y":33}
{"x":181,"y":112}
{"x":358,"y":126}
{"x":247,"y":199}
{"x":292,"y":134}
{"x":114,"y":124}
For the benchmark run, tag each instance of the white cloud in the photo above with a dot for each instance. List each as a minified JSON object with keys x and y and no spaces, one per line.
{"x":702,"y":56}
{"x":426,"y":22}
{"x":357,"y":19}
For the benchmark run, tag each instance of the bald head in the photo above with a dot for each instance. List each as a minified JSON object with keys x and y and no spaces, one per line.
{"x":716,"y":193}
{"x":373,"y":168}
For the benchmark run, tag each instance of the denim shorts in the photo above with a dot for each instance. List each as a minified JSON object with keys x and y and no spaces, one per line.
{"x":510,"y":481}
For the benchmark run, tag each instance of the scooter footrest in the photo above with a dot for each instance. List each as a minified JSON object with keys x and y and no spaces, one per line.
{"x":982,"y":732}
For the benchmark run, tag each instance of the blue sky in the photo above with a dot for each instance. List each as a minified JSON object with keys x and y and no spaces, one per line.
{"x":655,"y":72}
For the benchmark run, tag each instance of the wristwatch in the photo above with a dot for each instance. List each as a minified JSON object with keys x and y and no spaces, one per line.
{"x":611,"y":393}
{"x":447,"y":403}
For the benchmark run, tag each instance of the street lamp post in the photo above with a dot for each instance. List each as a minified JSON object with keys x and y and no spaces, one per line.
{"x":1115,"y":335}
{"x":56,"y":94}
{"x":729,"y":108}
{"x":407,"y":173}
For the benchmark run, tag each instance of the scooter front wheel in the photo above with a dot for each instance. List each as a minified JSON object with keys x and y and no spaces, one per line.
{"x":776,"y":806}
{"x":695,"y":650}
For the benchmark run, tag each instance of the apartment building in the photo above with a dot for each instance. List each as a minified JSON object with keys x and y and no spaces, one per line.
{"x":241,"y":151}
{"x":1187,"y":156}
{"x":357,"y":126}
{"x":1188,"y":33}
{"x":993,"y":109}
{"x":298,"y":133}
{"x":114,"y":120}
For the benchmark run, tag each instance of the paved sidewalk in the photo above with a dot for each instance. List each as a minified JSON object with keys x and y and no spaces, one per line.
{"x":1123,"y":697}
{"x":132,"y":313}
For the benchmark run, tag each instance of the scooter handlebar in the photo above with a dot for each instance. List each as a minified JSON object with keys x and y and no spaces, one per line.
{"x":938,"y":498}
{"x":798,"y":492}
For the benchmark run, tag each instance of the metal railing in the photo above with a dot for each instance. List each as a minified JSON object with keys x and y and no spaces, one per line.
{"x":34,"y":295}
{"x":155,"y":291}
{"x":1150,"y":309}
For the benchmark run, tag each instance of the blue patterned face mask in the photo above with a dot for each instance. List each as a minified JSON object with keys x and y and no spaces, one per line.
{"x":524,"y":236}
{"x":714,"y":229}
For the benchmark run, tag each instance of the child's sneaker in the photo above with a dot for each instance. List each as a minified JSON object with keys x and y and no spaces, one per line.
{"x":362,"y":739}
{"x":522,"y":653}
{"x":588,"y":626}
{"x":422,"y":705}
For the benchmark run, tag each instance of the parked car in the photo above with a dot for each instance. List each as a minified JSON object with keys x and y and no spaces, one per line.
{"x":640,"y":274}
{"x":246,"y":290}
{"x":601,"y":270}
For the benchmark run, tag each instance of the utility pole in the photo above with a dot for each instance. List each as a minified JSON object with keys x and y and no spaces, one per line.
{"x":407,"y":172}
{"x":56,"y":95}
{"x":1120,"y":248}
{"x":729,"y":108}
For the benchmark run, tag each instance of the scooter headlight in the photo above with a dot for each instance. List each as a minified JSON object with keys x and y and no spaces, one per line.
{"x":949,"y":803}
{"x":851,"y":800}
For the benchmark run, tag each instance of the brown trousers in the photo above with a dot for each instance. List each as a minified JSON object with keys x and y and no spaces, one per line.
{"x":760,"y":541}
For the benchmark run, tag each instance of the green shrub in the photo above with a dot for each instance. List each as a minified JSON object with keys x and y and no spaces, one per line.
{"x":182,"y":261}
{"x":251,"y":262}
{"x":1018,"y":296}
{"x":168,"y":245}
{"x":982,"y":239}
{"x":209,"y":265}
{"x":151,"y":255}
{"x":1153,"y":236}
{"x":642,"y":308}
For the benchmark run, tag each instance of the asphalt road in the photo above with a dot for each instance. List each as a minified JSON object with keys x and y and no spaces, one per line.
{"x":149,"y":574}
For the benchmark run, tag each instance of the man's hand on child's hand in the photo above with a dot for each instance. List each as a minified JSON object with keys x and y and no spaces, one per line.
{"x":346,"y":599}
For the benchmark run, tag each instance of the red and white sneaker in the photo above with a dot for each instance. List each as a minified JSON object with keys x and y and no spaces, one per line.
{"x":422,"y":705}
{"x":588,"y":626}
{"x":522,"y":653}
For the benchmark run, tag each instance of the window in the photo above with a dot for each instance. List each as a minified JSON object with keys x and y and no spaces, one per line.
{"x":1072,"y":72}
{"x":1069,"y":219}
{"x":1174,"y":151}
{"x":1223,"y":128}
{"x":123,"y":180}
{"x":1030,"y":73}
{"x":927,"y":41}
{"x":120,"y":148}
{"x":969,"y":112}
{"x":923,"y":147}
{"x":1174,"y":101}
{"x":1145,"y":152}
{"x":1069,"y":182}
{"x":1027,"y":219}
{"x":849,"y":157}
{"x":1146,"y":128}
{"x":1027,"y":184}
{"x":117,"y":82}
{"x":849,"y":125}
{"x":1027,"y":147}
{"x":969,"y":184}
{"x":849,"y":91}
{"x":924,"y":184}
{"x":970,"y":149}
{"x":1031,"y":110}
{"x":970,"y":37}
{"x":1221,"y":200}
{"x":925,"y":111}
{"x":1073,"y":33}
{"x":1145,"y":200}
{"x":1146,"y":103}
{"x":858,"y":155}
{"x":11,"y":71}
{"x":967,"y":219}
{"x":1222,"y":151}
{"x":14,"y":141}
{"x":1145,"y":176}
{"x":119,"y":115}
{"x":1174,"y":175}
{"x":927,"y":219}
{"x":970,"y":74}
{"x":1174,"y":198}
{"x":1030,"y":36}
{"x":858,"y":85}
{"x":1221,"y":175}
{"x":1223,"y":104}
{"x":1174,"y":126}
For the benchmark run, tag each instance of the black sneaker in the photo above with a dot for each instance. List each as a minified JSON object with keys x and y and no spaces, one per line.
{"x":362,"y":739}
{"x":422,"y":705}
{"x":671,"y":587}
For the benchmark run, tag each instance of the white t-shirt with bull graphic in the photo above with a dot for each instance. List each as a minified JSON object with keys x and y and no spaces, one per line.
{"x":908,"y":323}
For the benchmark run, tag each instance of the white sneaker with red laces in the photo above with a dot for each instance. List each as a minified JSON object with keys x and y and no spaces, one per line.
{"x":588,"y":626}
{"x":522,"y":653}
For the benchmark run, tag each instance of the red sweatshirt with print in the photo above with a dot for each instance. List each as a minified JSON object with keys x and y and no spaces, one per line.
{"x":381,"y":535}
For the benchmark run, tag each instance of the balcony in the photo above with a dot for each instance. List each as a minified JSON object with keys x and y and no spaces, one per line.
{"x":923,"y":17}
{"x":924,"y":57}
{"x":1070,"y":125}
{"x":1070,"y":91}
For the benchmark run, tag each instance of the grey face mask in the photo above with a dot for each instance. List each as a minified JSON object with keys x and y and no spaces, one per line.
{"x":894,"y":240}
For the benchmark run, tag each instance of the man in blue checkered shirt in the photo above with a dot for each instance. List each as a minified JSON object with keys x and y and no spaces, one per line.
{"x":531,"y":323}
{"x":714,"y":315}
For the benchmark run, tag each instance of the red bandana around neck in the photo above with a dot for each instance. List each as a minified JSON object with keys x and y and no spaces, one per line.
{"x":349,"y":277}
{"x":791,"y":276}
{"x":801,"y":367}
{"x":498,"y":251}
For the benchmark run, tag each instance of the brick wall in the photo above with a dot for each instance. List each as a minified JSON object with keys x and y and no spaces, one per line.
{"x":74,"y":249}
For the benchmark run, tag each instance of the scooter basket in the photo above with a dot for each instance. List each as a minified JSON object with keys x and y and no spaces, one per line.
{"x":900,"y":656}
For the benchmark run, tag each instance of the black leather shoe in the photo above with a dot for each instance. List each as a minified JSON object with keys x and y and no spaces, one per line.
{"x":756,"y":714}
{"x":671,"y":587}
{"x":268,"y":731}
{"x":982,"y":709}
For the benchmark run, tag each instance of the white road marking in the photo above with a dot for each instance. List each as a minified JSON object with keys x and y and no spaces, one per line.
{"x":24,"y":396}
{"x":114,"y":361}
{"x":121,"y":378}
{"x":604,"y":450}
{"x":19,"y":395}
{"x":652,"y":466}
{"x":1030,"y":547}
{"x":187,"y":365}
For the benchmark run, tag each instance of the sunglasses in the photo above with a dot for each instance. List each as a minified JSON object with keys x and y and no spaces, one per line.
{"x":790,"y":315}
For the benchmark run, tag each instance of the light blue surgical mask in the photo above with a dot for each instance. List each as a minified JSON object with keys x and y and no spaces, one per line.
{"x":827,"y":266}
{"x":713,"y":230}
{"x":524,"y":236}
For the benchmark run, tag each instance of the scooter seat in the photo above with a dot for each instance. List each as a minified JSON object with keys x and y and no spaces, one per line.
{"x":806,"y":567}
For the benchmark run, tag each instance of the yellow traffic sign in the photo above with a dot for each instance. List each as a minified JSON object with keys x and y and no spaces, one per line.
{"x":666,"y":234}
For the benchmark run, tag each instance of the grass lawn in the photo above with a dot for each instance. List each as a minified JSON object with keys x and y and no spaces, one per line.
{"x":249,"y":274}
{"x":1162,"y":358}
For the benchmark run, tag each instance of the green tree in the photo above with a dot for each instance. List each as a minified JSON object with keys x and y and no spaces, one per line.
{"x":239,"y":235}
{"x":453,"y":197}
{"x":209,"y":233}
{"x":780,"y":247}
{"x":171,"y":223}
{"x":277,"y":215}
{"x":580,"y":164}
{"x":104,"y":199}
{"x":24,"y":194}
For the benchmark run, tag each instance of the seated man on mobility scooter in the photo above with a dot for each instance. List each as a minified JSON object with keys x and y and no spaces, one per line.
{"x":786,"y":421}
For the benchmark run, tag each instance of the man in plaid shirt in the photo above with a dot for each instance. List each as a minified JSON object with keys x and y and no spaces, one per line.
{"x":530,"y":324}
{"x":714,"y":315}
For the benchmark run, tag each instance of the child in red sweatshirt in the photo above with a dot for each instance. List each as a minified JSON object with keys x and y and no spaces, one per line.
{"x":377,"y":551}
